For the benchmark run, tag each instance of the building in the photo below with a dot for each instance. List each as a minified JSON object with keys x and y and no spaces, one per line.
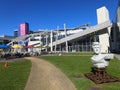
{"x":24,"y":29}
{"x":16,"y":33}
{"x":4,"y":39}
{"x":115,"y":35}
{"x":78,"y":39}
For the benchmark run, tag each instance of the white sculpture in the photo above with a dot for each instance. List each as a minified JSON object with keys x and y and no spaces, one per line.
{"x":100,"y":60}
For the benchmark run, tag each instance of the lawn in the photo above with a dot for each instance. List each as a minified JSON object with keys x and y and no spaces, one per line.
{"x":79,"y":53}
{"x":79,"y":65}
{"x":15,"y":76}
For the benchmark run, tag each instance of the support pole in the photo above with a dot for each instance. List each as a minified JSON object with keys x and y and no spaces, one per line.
{"x":46,"y":41}
{"x":66,"y":38}
{"x":51,"y":41}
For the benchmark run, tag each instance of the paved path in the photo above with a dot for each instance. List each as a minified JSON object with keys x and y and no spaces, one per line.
{"x":45,"y":76}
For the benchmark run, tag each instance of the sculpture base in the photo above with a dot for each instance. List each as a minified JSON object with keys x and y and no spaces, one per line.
{"x":100,"y":76}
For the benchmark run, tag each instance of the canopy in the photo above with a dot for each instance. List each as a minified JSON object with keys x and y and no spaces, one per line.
{"x":30,"y":46}
{"x":38,"y":46}
{"x":17,"y":46}
{"x":1,"y":50}
{"x":4,"y":46}
{"x":46,"y":46}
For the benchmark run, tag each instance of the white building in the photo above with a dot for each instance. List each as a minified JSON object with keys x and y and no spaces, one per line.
{"x":76,"y":39}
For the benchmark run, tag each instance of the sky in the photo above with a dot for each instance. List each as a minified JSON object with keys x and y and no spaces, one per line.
{"x":49,"y":14}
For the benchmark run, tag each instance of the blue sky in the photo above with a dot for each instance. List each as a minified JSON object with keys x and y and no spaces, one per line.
{"x":48,"y":14}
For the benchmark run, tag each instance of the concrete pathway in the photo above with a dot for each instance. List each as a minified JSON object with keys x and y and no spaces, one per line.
{"x":45,"y":76}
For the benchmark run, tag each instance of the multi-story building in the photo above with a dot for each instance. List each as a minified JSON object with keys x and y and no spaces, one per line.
{"x":4,"y":39}
{"x":24,"y":29}
{"x":16,"y":33}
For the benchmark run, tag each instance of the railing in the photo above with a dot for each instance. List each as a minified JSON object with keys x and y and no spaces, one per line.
{"x":80,"y":48}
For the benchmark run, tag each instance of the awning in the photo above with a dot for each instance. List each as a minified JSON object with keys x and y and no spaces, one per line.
{"x":17,"y":46}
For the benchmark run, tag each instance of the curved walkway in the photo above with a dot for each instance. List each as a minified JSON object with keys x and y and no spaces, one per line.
{"x":45,"y":76}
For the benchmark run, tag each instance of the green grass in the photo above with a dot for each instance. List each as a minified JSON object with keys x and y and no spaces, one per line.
{"x":74,"y":65}
{"x":77,"y":53}
{"x":15,"y":76}
{"x":80,"y":53}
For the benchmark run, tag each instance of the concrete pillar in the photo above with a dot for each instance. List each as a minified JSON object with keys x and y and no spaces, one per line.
{"x":40,"y":45}
{"x":56,"y":41}
{"x":46,"y":41}
{"x":66,"y":38}
{"x":104,"y":41}
{"x":82,"y":46}
{"x":51,"y":40}
{"x":102,"y":15}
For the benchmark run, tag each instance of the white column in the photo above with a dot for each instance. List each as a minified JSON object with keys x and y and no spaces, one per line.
{"x":51,"y":41}
{"x":102,"y":15}
{"x":46,"y":42}
{"x":60,"y":47}
{"x":104,"y":41}
{"x":55,"y":42}
{"x":40,"y":44}
{"x":56,"y":38}
{"x":66,"y":38}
